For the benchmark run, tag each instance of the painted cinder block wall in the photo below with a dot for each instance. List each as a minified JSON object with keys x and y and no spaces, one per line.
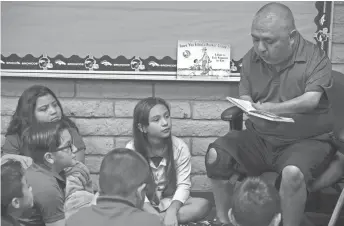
{"x":337,"y":55}
{"x":103,"y":109}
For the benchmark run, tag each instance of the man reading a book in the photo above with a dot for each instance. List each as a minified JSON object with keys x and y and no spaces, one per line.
{"x":283,"y":74}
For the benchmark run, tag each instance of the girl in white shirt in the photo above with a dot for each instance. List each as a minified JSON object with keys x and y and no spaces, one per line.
{"x":168,"y":193}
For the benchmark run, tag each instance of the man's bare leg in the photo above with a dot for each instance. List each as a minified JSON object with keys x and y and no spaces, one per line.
{"x":223,"y":191}
{"x":333,"y":173}
{"x":293,"y":196}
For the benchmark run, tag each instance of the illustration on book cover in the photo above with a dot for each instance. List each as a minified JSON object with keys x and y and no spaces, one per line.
{"x":201,"y":59}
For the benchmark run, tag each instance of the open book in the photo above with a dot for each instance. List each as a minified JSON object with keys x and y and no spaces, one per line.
{"x":247,"y":107}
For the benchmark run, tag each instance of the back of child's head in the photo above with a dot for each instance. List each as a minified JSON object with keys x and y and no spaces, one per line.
{"x":24,"y":115}
{"x":122,"y":171}
{"x":12,"y":174}
{"x":255,"y":203}
{"x":41,"y":138}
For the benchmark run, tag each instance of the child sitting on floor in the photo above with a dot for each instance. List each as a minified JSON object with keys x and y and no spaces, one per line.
{"x":168,"y":193}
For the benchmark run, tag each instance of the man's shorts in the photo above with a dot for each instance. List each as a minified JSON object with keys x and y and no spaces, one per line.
{"x":251,"y":155}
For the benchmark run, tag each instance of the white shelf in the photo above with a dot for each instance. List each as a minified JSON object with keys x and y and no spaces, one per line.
{"x":111,"y":75}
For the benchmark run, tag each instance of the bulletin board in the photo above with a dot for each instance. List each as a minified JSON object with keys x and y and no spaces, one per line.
{"x":132,"y":40}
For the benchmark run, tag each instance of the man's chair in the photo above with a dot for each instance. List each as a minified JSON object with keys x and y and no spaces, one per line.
{"x":335,"y":94}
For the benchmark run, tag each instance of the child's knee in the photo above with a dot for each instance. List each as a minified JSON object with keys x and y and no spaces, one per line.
{"x":203,"y":205}
{"x":206,"y":205}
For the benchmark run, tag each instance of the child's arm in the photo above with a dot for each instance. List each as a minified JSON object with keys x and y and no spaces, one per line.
{"x":78,"y":178}
{"x":183,"y":171}
{"x":25,"y":161}
{"x":147,"y":207}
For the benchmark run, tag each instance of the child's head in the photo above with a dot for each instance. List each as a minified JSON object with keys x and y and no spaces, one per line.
{"x":124,"y":173}
{"x":258,"y":200}
{"x":16,"y":193}
{"x":50,"y":144}
{"x":36,"y":104}
{"x":152,"y":119}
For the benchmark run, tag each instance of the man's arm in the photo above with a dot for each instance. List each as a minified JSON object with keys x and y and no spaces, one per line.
{"x":301,"y":104}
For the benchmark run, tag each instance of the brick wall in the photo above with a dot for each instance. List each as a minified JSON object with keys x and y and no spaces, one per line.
{"x":103,"y":112}
{"x":338,"y":37}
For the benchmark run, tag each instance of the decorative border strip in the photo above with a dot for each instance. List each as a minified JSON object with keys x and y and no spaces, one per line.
{"x":323,"y":21}
{"x":137,"y":65}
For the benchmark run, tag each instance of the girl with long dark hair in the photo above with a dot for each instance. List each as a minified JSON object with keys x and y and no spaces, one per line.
{"x":38,"y":104}
{"x":169,"y":158}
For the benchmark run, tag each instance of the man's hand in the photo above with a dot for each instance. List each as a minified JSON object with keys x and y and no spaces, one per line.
{"x":267,"y":106}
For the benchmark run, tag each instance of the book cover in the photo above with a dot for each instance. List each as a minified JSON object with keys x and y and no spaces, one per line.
{"x":202,"y":59}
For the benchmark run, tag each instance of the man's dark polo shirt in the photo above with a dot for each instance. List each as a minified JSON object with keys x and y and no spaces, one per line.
{"x":308,"y":69}
{"x":48,"y":194}
{"x":111,"y":211}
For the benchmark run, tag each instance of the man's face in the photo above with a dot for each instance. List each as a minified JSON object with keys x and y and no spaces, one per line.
{"x":270,"y":41}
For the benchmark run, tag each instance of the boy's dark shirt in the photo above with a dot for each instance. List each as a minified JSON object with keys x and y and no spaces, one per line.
{"x":49,"y":196}
{"x":111,"y":211}
{"x":9,"y":221}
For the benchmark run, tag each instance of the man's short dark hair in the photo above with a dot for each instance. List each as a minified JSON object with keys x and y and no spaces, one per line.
{"x":12,"y":174}
{"x":122,"y":171}
{"x":255,"y":203}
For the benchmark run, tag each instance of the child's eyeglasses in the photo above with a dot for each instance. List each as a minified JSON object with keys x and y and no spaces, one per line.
{"x":69,"y":147}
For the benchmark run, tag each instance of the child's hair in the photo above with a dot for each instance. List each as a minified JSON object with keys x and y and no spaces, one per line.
{"x":141,"y":144}
{"x":12,"y":174}
{"x":122,"y":171}
{"x":41,"y":138}
{"x":255,"y":203}
{"x":24,"y":115}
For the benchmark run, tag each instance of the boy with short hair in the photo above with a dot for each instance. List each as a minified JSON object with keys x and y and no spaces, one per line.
{"x":16,"y":193}
{"x":255,"y":203}
{"x":122,"y":180}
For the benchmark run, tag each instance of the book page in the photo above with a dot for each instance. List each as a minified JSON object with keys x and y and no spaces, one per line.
{"x":242,"y":104}
{"x":270,"y":116}
{"x":247,"y":107}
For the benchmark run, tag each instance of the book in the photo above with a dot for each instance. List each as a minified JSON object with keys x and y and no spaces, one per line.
{"x":247,"y":107}
{"x":203,"y":60}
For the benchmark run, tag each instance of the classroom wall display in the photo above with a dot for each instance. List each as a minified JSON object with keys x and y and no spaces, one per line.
{"x":134,"y":37}
{"x":203,"y":59}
